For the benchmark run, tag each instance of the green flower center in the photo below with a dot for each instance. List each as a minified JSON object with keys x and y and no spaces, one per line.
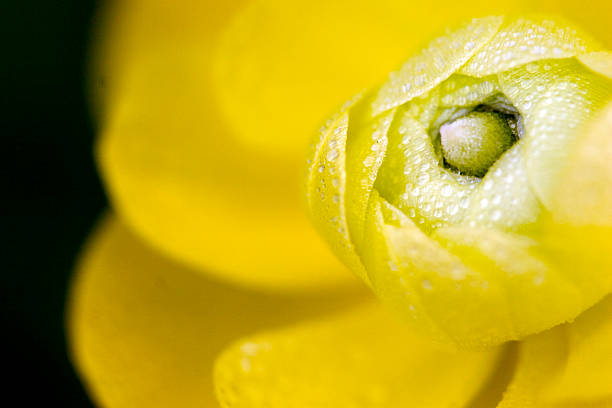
{"x":472,"y":143}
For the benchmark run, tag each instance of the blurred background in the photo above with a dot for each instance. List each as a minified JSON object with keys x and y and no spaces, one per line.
{"x":54,"y":195}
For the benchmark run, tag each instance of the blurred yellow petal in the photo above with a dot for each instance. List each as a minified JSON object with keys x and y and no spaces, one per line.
{"x":126,"y":31}
{"x":186,"y":185}
{"x":586,"y":192}
{"x":587,"y":374}
{"x":361,"y":357}
{"x":600,"y":62}
{"x":569,"y":366}
{"x":593,"y":16}
{"x":144,"y":331}
{"x":208,"y":109}
{"x":208,"y":203}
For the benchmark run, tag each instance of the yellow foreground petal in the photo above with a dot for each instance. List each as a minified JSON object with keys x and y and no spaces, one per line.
{"x":144,"y":332}
{"x":569,"y":366}
{"x":360,"y":358}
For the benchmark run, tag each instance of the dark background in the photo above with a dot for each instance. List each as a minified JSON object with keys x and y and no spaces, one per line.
{"x":51,"y":194}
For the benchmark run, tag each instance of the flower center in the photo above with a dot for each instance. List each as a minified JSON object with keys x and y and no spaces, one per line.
{"x":472,"y":143}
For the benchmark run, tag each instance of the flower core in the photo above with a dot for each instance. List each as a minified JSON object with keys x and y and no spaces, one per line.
{"x":472,"y":143}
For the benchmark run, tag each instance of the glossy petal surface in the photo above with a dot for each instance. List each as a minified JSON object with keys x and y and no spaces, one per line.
{"x":144,"y":331}
{"x":359,"y":358}
{"x":569,"y":366}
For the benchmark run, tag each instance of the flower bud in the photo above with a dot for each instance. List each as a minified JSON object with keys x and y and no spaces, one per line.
{"x":439,"y":189}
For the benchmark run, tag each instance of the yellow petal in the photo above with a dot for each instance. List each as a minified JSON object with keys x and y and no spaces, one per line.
{"x":362,"y":357}
{"x":180,"y":180}
{"x":600,"y":62}
{"x":593,"y":16}
{"x":442,"y":57}
{"x":513,"y":46}
{"x":144,"y":331}
{"x":535,"y":294}
{"x":569,"y":366}
{"x":128,"y":30}
{"x":429,"y":284}
{"x":365,"y":151}
{"x":587,"y":375}
{"x":586,"y":192}
{"x":582,"y":222}
{"x":325,"y":184}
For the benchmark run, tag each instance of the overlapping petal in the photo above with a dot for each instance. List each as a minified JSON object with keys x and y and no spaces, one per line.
{"x":569,"y":366}
{"x":362,"y":357}
{"x":144,"y":331}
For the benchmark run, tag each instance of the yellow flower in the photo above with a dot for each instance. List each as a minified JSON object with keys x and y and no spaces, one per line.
{"x":204,"y":110}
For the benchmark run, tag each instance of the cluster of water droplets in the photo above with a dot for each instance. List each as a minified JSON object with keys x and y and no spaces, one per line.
{"x":443,"y":56}
{"x":524,"y":41}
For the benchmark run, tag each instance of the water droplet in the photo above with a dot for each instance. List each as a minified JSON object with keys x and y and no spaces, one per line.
{"x":426,"y":284}
{"x":332,"y":155}
{"x":496,"y":215}
{"x":423,"y":178}
{"x":458,"y":273}
{"x":447,"y":191}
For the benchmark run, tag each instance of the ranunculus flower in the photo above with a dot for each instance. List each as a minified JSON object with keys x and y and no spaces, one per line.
{"x":205,"y":110}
